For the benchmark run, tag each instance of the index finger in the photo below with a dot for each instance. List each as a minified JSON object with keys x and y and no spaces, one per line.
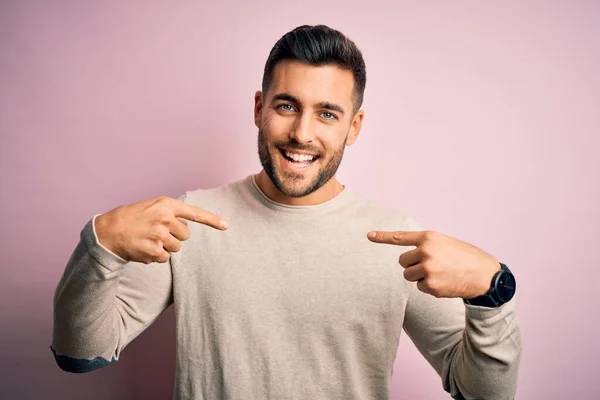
{"x":399,"y":238}
{"x":197,"y":214}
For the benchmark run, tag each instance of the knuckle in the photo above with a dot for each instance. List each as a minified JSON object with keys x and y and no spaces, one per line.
{"x":164,"y":257}
{"x":164,"y":235}
{"x":155,"y":251}
{"x":431,"y":268}
{"x":156,"y":234}
{"x":426,"y":270}
{"x":186,"y":233}
{"x":146,"y":257}
{"x":397,"y":236}
{"x":163,"y":200}
{"x":176,"y":246}
{"x":163,"y":208}
{"x":164,"y":218}
{"x":199,"y":217}
{"x":433,"y":288}
{"x":425,"y":249}
{"x":429,"y":235}
{"x":204,"y":218}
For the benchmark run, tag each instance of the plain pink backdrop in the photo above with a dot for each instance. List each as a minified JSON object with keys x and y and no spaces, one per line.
{"x":482,"y":122}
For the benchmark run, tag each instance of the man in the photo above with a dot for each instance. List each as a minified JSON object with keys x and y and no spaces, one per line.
{"x":292,"y":286}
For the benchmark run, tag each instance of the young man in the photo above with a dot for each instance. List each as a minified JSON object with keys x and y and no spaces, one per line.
{"x":292,"y":286}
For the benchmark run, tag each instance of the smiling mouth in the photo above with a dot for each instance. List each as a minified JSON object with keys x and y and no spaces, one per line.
{"x":298,"y":158}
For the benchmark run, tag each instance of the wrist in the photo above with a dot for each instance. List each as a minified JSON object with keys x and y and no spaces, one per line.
{"x":101,"y":227}
{"x":487,"y":278}
{"x":500,"y":291}
{"x":97,"y":250}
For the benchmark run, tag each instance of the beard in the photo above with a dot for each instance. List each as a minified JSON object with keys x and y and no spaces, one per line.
{"x":293,"y":184}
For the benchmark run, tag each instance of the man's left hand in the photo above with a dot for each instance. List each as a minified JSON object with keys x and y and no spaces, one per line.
{"x":441,"y":265}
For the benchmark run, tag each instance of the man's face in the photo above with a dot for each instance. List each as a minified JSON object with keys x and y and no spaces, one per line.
{"x":305,"y":120}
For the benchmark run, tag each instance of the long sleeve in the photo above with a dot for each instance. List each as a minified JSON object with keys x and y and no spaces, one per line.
{"x":475,"y":350}
{"x":103,"y":302}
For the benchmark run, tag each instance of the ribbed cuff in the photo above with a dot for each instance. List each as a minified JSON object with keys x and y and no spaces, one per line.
{"x":483,"y":313}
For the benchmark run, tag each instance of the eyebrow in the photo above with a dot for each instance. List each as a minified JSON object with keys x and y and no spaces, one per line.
{"x":323,"y":104}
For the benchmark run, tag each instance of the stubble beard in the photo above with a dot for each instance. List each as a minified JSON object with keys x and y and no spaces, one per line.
{"x":290,"y":183}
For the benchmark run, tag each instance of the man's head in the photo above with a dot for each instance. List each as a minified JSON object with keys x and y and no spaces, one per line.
{"x":309,"y":107}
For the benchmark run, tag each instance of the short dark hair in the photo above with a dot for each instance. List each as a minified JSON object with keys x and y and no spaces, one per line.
{"x":319,"y":45}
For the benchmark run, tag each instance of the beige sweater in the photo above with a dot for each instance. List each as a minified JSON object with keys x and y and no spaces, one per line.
{"x":288,"y":303}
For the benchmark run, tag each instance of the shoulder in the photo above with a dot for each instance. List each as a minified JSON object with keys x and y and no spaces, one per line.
{"x":216,"y":199}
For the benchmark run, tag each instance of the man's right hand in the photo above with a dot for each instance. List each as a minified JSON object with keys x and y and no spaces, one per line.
{"x":150,"y":230}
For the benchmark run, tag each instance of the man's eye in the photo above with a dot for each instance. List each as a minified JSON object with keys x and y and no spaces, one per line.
{"x":286,"y":107}
{"x":328,"y":115}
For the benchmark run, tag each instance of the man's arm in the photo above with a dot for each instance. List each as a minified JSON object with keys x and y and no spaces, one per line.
{"x":103,"y":302}
{"x":118,"y":280}
{"x":475,"y":350}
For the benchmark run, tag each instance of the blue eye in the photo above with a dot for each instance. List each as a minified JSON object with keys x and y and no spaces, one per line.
{"x":287,"y":107}
{"x":328,"y":115}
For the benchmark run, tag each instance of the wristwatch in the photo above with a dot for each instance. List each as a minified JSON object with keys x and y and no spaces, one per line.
{"x":502,"y":290}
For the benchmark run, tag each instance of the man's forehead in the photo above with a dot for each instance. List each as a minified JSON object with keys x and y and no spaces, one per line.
{"x":313,"y":83}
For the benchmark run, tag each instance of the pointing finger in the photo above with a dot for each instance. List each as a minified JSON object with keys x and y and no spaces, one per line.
{"x":197,"y":214}
{"x":399,"y":238}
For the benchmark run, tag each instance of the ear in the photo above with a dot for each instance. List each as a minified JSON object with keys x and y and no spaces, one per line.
{"x":355,"y":128}
{"x":258,"y":104}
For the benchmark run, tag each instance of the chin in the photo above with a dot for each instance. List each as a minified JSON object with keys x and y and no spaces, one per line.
{"x":295,"y":185}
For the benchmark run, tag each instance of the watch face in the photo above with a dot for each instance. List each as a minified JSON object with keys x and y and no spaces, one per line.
{"x":506,"y":286}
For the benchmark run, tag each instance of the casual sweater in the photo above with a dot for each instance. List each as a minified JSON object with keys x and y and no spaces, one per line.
{"x":291,"y":302}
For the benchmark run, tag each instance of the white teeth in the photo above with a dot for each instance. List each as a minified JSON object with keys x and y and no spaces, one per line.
{"x":299,"y":157}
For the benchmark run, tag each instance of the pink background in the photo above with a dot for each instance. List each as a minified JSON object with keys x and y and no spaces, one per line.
{"x":482,"y":121}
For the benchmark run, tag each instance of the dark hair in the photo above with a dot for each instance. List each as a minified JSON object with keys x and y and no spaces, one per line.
{"x":319,"y":45}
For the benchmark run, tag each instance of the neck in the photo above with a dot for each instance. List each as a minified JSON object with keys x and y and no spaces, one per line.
{"x":325,"y":193}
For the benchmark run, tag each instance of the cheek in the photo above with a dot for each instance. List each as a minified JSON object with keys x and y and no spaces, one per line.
{"x":277,"y":127}
{"x":333,"y":140}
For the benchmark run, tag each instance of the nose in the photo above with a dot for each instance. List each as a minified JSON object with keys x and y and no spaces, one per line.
{"x":303,"y":130}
